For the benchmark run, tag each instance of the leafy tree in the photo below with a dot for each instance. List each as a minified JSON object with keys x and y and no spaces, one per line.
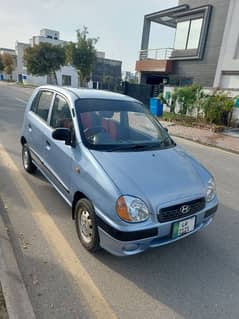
{"x":44,"y":59}
{"x":8,"y":63}
{"x":82,"y":55}
{"x":1,"y":64}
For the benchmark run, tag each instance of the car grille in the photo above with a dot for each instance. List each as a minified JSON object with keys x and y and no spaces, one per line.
{"x":175,"y":212}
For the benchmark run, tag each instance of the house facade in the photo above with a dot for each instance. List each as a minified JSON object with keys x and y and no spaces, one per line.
{"x":205,"y":49}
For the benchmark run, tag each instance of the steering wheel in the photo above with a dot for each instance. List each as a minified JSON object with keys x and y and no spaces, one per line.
{"x":90,"y":132}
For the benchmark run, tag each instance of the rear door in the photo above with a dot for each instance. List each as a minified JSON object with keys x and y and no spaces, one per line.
{"x":37,"y":124}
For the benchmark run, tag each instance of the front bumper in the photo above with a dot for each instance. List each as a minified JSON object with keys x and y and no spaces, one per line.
{"x":121,"y":243}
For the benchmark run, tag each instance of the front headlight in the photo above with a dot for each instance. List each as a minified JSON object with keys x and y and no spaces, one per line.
{"x":211,"y":190}
{"x":132,"y":209}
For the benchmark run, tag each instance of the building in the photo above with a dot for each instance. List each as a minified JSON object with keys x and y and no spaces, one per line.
{"x":66,"y":75}
{"x":206,"y":45}
{"x":106,"y":73}
{"x":205,"y":49}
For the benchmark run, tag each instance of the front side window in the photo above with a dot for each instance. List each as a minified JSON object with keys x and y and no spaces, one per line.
{"x":41,"y":104}
{"x":61,"y":115}
{"x":113,"y":125}
{"x":188,"y":34}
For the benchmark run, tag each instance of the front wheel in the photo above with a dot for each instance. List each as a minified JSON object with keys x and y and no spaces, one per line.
{"x":86,"y":226}
{"x":27,"y":160}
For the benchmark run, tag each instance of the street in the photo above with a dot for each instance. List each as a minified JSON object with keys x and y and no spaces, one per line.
{"x":194,"y":278}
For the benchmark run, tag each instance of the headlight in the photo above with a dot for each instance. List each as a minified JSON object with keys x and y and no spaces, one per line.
{"x":132,"y":209}
{"x":211,"y":190}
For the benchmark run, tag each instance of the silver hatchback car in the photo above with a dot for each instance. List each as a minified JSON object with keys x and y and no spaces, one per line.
{"x":128,"y":183}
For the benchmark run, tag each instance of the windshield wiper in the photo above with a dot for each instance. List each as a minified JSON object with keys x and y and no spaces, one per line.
{"x":133,"y":147}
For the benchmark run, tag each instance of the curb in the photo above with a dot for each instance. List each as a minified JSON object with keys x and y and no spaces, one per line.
{"x":206,"y":144}
{"x":16,"y":297}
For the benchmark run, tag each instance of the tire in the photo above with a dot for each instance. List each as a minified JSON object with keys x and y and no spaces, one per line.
{"x":86,"y":225}
{"x":27,"y":160}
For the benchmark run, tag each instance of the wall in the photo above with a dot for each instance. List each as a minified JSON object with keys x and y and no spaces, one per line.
{"x":203,"y":71}
{"x":227,"y":75}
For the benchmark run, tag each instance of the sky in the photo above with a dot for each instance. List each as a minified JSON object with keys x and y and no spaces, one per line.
{"x":118,"y":24}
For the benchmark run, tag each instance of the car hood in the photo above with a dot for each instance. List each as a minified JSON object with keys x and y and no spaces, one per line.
{"x":157,"y":177}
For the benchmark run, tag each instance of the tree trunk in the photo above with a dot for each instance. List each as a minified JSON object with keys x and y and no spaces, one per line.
{"x":54,"y":73}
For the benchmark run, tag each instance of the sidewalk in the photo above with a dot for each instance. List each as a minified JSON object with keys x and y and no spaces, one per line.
{"x":203,"y":136}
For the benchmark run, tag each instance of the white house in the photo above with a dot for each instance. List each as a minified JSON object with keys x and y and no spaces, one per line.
{"x":66,"y":76}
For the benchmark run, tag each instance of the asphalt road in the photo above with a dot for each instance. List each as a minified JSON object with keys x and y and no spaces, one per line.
{"x":195,"y":278}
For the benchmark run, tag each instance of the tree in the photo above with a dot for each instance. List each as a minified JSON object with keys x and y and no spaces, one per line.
{"x":82,"y":55}
{"x":8,"y":63}
{"x":44,"y":59}
{"x":1,"y":64}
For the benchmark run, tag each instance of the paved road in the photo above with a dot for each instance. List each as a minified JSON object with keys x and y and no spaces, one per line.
{"x":195,"y":278}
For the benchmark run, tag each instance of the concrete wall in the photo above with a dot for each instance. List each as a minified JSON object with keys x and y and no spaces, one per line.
{"x":203,"y":71}
{"x":227,"y":75}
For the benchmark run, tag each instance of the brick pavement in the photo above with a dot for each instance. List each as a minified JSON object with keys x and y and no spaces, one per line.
{"x":204,"y":136}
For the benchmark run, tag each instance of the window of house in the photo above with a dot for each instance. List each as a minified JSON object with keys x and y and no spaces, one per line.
{"x":66,"y":80}
{"x":188,"y":34}
{"x":61,"y":115}
{"x":42,"y":103}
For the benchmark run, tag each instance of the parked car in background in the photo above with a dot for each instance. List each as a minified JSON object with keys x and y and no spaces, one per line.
{"x":128,"y":183}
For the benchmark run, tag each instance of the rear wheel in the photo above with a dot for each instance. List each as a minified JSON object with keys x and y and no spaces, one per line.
{"x":27,"y":160}
{"x":86,"y":226}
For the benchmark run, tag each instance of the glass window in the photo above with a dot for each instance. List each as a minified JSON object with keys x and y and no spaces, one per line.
{"x":61,"y":115}
{"x":181,"y":35}
{"x":66,"y":80}
{"x":194,"y":34}
{"x":113,"y":125}
{"x":42,"y":103}
{"x":188,"y":34}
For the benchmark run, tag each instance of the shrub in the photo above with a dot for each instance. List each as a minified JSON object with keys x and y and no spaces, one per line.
{"x":217,"y":108}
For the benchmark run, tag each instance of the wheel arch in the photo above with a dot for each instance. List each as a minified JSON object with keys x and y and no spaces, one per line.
{"x":77,"y":196}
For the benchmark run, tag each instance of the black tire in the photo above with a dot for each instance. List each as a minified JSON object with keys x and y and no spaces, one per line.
{"x":87,"y":232}
{"x":27,"y":160}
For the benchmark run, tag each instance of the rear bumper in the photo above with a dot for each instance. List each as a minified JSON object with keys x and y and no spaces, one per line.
{"x":122,"y":243}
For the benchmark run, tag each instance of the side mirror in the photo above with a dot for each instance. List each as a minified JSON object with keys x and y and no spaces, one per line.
{"x":166,"y":129}
{"x":63,"y":134}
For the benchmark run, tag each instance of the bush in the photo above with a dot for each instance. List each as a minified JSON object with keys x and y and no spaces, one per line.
{"x":217,"y":108}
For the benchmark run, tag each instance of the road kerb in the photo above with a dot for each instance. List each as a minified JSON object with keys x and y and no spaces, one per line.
{"x":16,"y":297}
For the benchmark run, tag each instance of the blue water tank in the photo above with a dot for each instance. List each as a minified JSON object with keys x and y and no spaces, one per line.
{"x":156,"y":107}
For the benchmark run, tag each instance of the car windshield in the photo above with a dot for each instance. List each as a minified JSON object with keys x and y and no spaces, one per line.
{"x":114,"y":125}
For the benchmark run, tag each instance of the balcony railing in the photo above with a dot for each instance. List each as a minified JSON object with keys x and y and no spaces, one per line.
{"x":156,"y":54}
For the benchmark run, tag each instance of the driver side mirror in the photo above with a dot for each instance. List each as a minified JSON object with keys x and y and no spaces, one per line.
{"x":64,"y":134}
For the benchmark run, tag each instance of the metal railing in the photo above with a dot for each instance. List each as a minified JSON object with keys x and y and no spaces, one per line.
{"x":157,"y":54}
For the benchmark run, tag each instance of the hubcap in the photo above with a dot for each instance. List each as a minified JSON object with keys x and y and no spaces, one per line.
{"x":25,"y":158}
{"x":85,"y":226}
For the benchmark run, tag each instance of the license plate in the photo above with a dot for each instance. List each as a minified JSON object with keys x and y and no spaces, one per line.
{"x":183,"y":227}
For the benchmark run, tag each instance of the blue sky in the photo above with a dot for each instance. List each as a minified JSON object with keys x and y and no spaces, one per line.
{"x":118,"y":24}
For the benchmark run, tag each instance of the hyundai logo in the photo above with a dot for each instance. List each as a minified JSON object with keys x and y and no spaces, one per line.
{"x":185,"y":209}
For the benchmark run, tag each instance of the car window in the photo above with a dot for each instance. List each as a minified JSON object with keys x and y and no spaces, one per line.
{"x":61,"y":115}
{"x":138,"y":121}
{"x":42,"y":103}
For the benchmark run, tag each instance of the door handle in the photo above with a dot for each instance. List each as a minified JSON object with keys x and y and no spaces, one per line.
{"x":48,"y":146}
{"x":29,"y":127}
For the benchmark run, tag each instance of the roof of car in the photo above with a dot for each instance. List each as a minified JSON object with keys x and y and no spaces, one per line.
{"x":90,"y":93}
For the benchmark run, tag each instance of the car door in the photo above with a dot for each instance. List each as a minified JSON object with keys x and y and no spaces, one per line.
{"x":37,"y":124}
{"x":59,"y":156}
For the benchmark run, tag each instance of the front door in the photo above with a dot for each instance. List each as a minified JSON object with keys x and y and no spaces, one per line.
{"x":59,"y":156}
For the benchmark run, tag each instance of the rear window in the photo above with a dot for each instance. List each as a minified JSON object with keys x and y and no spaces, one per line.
{"x":41,"y":104}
